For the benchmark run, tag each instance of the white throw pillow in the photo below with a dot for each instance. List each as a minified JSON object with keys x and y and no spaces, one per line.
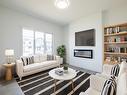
{"x":122,"y":84}
{"x":36,"y":58}
{"x":123,"y":68}
{"x":43,"y":58}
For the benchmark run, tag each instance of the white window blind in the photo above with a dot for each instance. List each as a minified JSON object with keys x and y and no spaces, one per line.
{"x":28,"y":42}
{"x":48,"y":41}
{"x":37,"y":42}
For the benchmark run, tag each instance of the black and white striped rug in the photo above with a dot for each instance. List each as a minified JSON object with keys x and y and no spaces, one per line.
{"x":42,"y":84}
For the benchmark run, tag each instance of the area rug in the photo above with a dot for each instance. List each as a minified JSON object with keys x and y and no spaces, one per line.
{"x":42,"y":84}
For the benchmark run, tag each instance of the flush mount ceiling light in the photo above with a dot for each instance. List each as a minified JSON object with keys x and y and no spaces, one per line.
{"x":62,"y":4}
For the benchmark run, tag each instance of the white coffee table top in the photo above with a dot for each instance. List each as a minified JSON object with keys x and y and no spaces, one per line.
{"x":66,"y":76}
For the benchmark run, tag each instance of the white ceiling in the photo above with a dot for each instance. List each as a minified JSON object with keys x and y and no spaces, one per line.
{"x":46,"y":9}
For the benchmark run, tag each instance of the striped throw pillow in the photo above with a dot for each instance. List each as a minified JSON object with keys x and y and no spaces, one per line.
{"x":109,"y":87}
{"x":115,"y":70}
{"x":50,"y":57}
{"x":30,"y":60}
{"x":24,"y":61}
{"x":27,"y":60}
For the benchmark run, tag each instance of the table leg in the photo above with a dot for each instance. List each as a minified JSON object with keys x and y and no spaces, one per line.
{"x":72,"y":83}
{"x":54,"y":86}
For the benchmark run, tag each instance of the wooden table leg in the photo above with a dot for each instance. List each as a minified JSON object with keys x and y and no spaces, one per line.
{"x":72,"y":83}
{"x":54,"y":86}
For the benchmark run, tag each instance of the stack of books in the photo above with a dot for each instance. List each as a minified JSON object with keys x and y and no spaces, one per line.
{"x":59,"y":72}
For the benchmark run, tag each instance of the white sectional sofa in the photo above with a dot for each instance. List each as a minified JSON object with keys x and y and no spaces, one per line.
{"x":40,"y":63}
{"x":97,"y":81}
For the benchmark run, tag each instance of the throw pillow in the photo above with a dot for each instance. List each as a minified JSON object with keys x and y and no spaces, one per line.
{"x":23,"y":59}
{"x":50,"y":57}
{"x":36,"y":58}
{"x":123,"y":68}
{"x":115,"y":70}
{"x":109,"y":87}
{"x":30,"y":60}
{"x":27,"y":60}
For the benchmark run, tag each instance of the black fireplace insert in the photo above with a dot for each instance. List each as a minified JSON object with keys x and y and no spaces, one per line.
{"x":83,"y":53}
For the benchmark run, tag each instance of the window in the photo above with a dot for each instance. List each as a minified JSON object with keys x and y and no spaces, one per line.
{"x":48,"y":42}
{"x":28,"y":42}
{"x":39,"y":43}
{"x":36,"y":42}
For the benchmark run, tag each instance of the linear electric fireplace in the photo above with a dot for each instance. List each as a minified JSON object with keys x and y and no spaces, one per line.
{"x":83,"y":53}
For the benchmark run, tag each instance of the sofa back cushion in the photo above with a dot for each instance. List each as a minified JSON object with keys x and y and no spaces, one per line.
{"x":109,"y":87}
{"x":107,"y":69}
{"x":115,"y":70}
{"x":40,"y":58}
{"x":43,"y":57}
{"x":36,"y":58}
{"x":122,"y":84}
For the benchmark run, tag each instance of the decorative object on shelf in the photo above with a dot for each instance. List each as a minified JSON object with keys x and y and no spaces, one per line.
{"x":65,"y":68}
{"x":108,"y":60}
{"x":62,"y":4}
{"x":112,"y":30}
{"x":9,"y":53}
{"x":61,"y":51}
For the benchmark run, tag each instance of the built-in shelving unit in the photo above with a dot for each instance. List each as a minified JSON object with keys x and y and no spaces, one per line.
{"x":115,"y":43}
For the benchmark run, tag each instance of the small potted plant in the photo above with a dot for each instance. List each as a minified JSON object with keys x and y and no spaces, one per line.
{"x":65,"y":68}
{"x":61,"y":52}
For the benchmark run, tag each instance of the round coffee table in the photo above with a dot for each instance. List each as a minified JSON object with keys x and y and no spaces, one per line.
{"x":66,"y":76}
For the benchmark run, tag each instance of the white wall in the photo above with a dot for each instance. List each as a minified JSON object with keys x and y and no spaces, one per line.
{"x":93,"y":21}
{"x":11,"y":24}
{"x":115,"y":16}
{"x":66,"y":42}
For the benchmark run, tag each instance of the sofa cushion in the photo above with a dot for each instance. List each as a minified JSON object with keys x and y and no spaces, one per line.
{"x":30,"y":67}
{"x":43,"y":57}
{"x":122,"y":84}
{"x":90,"y":91}
{"x":51,"y":62}
{"x":35,"y":66}
{"x":107,"y":69}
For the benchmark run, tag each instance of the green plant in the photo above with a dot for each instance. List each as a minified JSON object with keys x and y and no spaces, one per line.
{"x":61,"y":51}
{"x":65,"y":67}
